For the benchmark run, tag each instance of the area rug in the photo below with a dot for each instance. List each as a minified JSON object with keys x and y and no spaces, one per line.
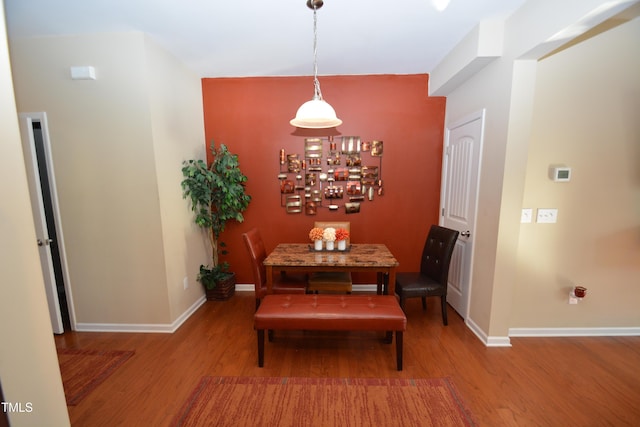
{"x":265,"y":401}
{"x":84,"y":370}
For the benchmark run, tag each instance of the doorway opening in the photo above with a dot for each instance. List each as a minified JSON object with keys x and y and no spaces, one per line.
{"x":46,"y":215}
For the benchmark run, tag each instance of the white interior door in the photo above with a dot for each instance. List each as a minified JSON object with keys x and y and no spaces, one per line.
{"x":37,"y":153}
{"x":460,"y":175}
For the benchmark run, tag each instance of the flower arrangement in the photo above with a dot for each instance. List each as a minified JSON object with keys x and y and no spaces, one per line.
{"x":329,"y":234}
{"x":316,"y":233}
{"x":342,"y":234}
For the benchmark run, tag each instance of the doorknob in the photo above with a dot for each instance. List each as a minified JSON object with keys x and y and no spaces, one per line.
{"x":465,"y":233}
{"x":45,"y":242}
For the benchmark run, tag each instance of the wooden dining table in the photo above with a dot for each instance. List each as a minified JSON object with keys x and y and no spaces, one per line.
{"x":359,"y":257}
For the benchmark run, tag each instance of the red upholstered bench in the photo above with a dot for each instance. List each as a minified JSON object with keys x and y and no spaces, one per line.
{"x":330,"y":313}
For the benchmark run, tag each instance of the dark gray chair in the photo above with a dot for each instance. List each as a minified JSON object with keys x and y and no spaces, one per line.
{"x":431,"y":280}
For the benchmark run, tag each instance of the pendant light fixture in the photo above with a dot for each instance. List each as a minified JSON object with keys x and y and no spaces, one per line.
{"x":317,"y":113}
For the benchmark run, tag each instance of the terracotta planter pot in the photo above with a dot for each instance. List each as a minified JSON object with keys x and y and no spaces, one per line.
{"x":223,"y":290}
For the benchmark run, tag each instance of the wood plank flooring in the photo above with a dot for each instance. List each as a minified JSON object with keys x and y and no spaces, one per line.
{"x":537,"y":382}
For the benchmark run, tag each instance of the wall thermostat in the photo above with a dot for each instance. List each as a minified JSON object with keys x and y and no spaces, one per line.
{"x":561,"y":174}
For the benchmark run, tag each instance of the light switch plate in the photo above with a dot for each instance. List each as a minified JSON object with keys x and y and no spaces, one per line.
{"x":547,"y":216}
{"x":527,"y":216}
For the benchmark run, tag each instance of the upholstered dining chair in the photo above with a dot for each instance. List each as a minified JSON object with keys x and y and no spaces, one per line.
{"x":331,"y":281}
{"x":282,"y":283}
{"x":433,"y":276}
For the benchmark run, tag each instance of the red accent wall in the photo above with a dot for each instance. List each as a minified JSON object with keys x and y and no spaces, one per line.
{"x":251,"y":116}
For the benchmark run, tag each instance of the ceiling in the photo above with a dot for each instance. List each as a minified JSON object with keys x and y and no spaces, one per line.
{"x":232,"y":38}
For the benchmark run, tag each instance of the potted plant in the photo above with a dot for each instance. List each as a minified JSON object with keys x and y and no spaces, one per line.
{"x":217,"y":195}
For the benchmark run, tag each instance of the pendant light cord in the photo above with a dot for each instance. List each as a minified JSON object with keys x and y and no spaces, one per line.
{"x":316,"y":82}
{"x":316,"y":113}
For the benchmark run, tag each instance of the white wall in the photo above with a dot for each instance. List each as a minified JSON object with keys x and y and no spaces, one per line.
{"x":178,"y":134}
{"x":29,"y":370}
{"x":506,"y":88}
{"x":585,"y":116}
{"x":117,"y":145}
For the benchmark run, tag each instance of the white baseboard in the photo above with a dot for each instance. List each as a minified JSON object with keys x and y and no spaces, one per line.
{"x":142,"y":327}
{"x":574,"y":332}
{"x":489,"y":341}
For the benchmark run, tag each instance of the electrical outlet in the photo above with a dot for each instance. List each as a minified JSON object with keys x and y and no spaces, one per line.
{"x":185,"y":282}
{"x":547,"y":216}
{"x":527,"y":215}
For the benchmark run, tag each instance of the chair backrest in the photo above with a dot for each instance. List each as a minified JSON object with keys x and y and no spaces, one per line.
{"x":335,"y":224}
{"x":437,"y":252}
{"x":257,"y":253}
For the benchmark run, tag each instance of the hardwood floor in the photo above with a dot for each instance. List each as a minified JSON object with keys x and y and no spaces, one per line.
{"x":537,"y":382}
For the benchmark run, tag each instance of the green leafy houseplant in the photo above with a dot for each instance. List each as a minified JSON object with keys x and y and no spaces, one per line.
{"x":217,"y":195}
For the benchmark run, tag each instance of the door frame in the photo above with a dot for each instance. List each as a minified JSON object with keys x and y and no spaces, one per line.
{"x":31,"y":163}
{"x":477,"y":115}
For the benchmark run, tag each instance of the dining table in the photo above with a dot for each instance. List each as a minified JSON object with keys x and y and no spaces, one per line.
{"x":357,"y":257}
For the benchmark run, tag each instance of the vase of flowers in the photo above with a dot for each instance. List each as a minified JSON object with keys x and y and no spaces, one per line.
{"x":316,"y":235}
{"x":341,"y":237}
{"x":329,"y":236}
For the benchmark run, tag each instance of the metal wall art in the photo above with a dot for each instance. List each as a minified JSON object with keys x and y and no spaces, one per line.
{"x":331,"y":175}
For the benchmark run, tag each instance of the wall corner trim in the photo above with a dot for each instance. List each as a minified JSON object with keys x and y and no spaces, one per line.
{"x":489,"y":341}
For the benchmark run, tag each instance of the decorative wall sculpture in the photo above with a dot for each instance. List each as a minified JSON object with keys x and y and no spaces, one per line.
{"x":331,"y":175}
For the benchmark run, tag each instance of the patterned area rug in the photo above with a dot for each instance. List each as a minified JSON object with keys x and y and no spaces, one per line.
{"x":84,"y":370}
{"x":263,"y":401}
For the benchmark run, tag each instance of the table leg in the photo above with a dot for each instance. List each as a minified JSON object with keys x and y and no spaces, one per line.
{"x":269,"y":273}
{"x":391,"y":284}
{"x":383,"y":283}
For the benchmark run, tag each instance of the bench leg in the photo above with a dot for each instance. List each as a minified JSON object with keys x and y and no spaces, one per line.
{"x":260,"y":347}
{"x":399,"y":350}
{"x":388,"y":337}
